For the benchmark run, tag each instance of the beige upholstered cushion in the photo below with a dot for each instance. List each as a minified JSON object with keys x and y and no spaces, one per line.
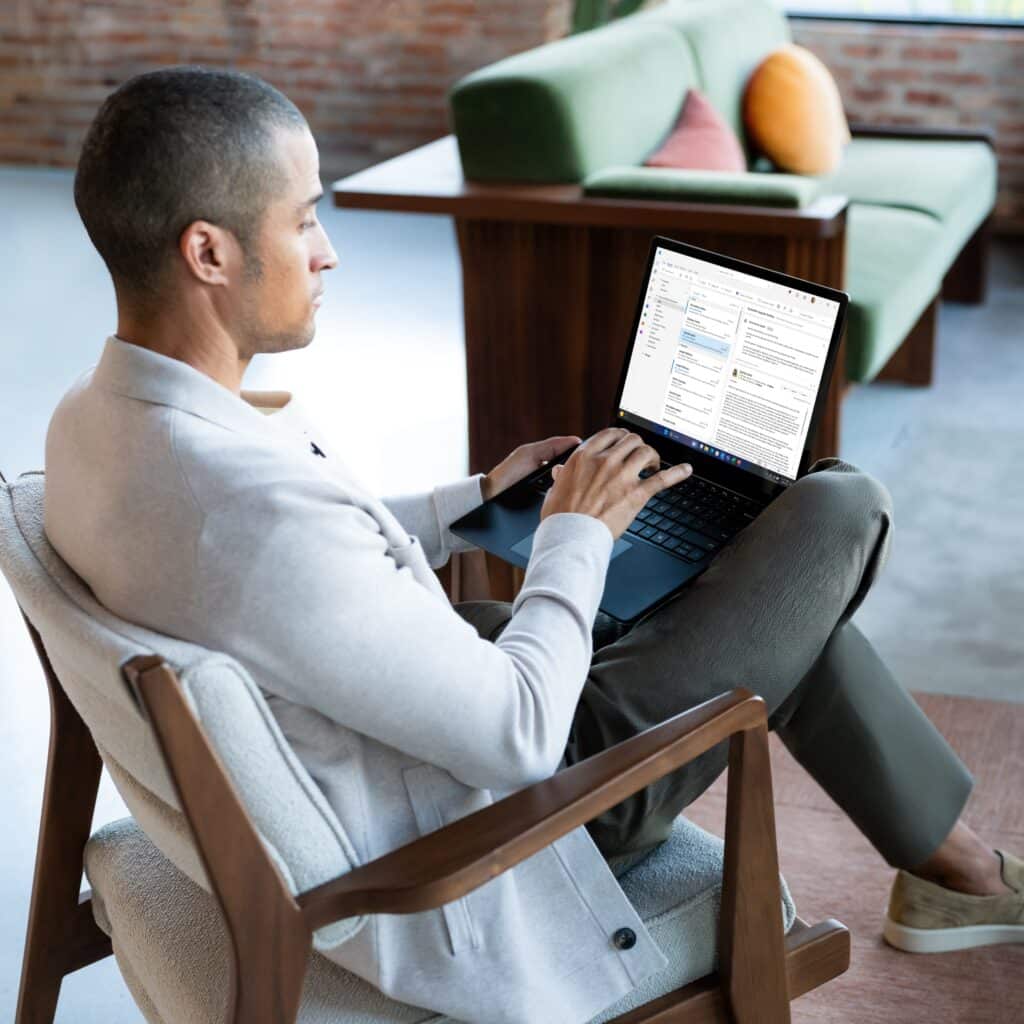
{"x":793,"y":113}
{"x":172,"y":946}
{"x":87,"y":645}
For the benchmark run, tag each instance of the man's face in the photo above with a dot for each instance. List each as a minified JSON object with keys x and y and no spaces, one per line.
{"x":277,"y":307}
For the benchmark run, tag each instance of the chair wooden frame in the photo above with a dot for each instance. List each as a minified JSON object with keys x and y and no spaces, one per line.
{"x":760,"y":969}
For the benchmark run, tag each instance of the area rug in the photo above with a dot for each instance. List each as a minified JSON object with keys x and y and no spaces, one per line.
{"x":834,"y":872}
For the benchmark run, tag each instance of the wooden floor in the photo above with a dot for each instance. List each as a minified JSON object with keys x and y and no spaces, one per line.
{"x":832,"y":871}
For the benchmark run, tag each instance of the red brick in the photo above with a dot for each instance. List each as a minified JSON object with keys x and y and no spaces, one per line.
{"x":960,"y":78}
{"x":926,"y":98}
{"x":870,"y":95}
{"x":930,"y":53}
{"x":896,"y":75}
{"x":862,"y":50}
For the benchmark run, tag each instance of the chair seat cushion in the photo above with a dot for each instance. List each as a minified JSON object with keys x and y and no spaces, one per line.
{"x":172,"y":946}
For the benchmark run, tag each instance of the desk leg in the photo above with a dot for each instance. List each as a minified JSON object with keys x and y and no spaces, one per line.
{"x":548,"y":309}
{"x":525,"y":290}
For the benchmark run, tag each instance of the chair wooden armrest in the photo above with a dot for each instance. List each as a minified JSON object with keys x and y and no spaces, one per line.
{"x":452,"y":861}
{"x":760,"y":970}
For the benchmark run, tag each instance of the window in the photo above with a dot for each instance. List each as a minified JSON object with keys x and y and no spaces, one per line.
{"x":983,"y":12}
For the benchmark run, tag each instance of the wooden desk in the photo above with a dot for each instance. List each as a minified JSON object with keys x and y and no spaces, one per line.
{"x":551,"y":280}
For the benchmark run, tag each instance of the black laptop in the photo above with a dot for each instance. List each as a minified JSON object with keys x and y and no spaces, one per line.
{"x":727,"y":369}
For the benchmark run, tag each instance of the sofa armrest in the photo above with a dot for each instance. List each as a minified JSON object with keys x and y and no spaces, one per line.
{"x":430,"y":180}
{"x":744,"y":187}
{"x":914,"y":131}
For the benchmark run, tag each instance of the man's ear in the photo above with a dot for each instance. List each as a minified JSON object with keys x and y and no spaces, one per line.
{"x":211,"y":253}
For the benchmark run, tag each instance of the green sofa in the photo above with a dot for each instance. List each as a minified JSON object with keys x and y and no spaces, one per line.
{"x":587,"y":110}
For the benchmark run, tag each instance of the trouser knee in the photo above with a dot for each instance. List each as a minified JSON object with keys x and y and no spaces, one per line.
{"x":644,"y":821}
{"x":838,"y":497}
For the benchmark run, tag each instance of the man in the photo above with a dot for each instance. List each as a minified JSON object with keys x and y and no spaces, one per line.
{"x":199,"y":188}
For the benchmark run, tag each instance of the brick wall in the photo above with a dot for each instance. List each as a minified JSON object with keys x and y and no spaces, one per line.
{"x":934,"y":75}
{"x":370,"y":75}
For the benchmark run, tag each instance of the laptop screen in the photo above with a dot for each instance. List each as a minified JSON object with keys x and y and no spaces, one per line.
{"x":728,"y":363}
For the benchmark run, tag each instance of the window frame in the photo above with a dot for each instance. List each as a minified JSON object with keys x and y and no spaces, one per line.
{"x":950,"y":21}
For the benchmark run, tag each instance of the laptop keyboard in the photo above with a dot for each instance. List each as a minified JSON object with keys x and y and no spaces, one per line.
{"x":691,"y":521}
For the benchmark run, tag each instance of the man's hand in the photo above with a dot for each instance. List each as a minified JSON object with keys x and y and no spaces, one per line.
{"x":522,"y":462}
{"x":602,"y":479}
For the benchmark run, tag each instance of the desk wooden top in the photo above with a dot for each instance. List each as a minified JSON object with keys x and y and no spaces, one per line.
{"x":430,"y":180}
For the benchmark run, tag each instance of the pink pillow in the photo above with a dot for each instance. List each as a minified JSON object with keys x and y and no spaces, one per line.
{"x":700,"y":141}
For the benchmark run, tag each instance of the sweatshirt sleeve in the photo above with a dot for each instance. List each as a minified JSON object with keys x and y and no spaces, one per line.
{"x":429,"y":515}
{"x":308,"y":595}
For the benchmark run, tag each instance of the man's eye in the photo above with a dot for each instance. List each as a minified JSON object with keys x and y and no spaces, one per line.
{"x":307,"y":224}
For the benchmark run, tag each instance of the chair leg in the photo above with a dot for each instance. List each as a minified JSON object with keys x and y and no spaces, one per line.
{"x":62,"y":935}
{"x":751,"y":942}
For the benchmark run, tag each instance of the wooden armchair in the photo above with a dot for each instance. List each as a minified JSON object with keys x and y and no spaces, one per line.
{"x":270,"y":926}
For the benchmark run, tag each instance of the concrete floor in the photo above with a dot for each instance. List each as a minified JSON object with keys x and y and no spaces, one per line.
{"x":386,"y":377}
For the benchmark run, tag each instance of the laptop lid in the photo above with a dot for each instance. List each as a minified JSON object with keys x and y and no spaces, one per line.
{"x":728,"y":366}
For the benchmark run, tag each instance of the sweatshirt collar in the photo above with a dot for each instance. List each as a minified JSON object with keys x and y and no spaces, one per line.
{"x":140,"y":373}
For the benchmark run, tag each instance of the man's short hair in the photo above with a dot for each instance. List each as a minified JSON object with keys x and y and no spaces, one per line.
{"x":173,"y":146}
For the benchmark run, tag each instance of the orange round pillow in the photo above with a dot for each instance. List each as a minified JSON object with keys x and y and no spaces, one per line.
{"x":793,"y":113}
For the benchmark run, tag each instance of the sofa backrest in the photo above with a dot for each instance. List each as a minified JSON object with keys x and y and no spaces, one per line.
{"x":728,"y":39}
{"x":564,"y":110}
{"x":87,"y":645}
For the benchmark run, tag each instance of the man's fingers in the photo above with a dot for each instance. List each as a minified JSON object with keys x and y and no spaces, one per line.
{"x":667,"y":478}
{"x":604,"y":439}
{"x":642,"y":457}
{"x":551,"y":447}
{"x":625,"y":446}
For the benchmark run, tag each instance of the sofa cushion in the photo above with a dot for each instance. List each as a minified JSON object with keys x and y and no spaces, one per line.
{"x":746,"y":187}
{"x":895,"y":260}
{"x":609,"y":96}
{"x":932,"y":176}
{"x":793,"y":113}
{"x":728,"y":38}
{"x":700,"y":140}
{"x":560,"y":111}
{"x":172,"y":945}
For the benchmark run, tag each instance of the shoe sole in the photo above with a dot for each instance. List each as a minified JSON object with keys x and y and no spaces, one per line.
{"x":945,"y":940}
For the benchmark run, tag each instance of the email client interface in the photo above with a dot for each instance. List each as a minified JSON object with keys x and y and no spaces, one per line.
{"x":728,"y":363}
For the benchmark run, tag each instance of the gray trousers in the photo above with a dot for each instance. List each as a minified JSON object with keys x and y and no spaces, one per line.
{"x":772,"y":613}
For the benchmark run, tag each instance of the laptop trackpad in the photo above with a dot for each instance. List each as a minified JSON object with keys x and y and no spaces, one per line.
{"x":525,"y":546}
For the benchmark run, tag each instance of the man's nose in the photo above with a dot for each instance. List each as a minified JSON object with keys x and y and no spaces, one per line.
{"x":328,"y":259}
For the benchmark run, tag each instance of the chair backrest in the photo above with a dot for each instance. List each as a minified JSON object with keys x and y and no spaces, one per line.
{"x":562,"y":111}
{"x":87,"y":645}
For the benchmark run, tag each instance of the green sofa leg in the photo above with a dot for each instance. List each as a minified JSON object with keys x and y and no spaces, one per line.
{"x":967,"y":279}
{"x":914,"y":361}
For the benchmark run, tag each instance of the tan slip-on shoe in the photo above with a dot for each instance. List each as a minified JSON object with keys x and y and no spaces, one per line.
{"x":927,"y":918}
